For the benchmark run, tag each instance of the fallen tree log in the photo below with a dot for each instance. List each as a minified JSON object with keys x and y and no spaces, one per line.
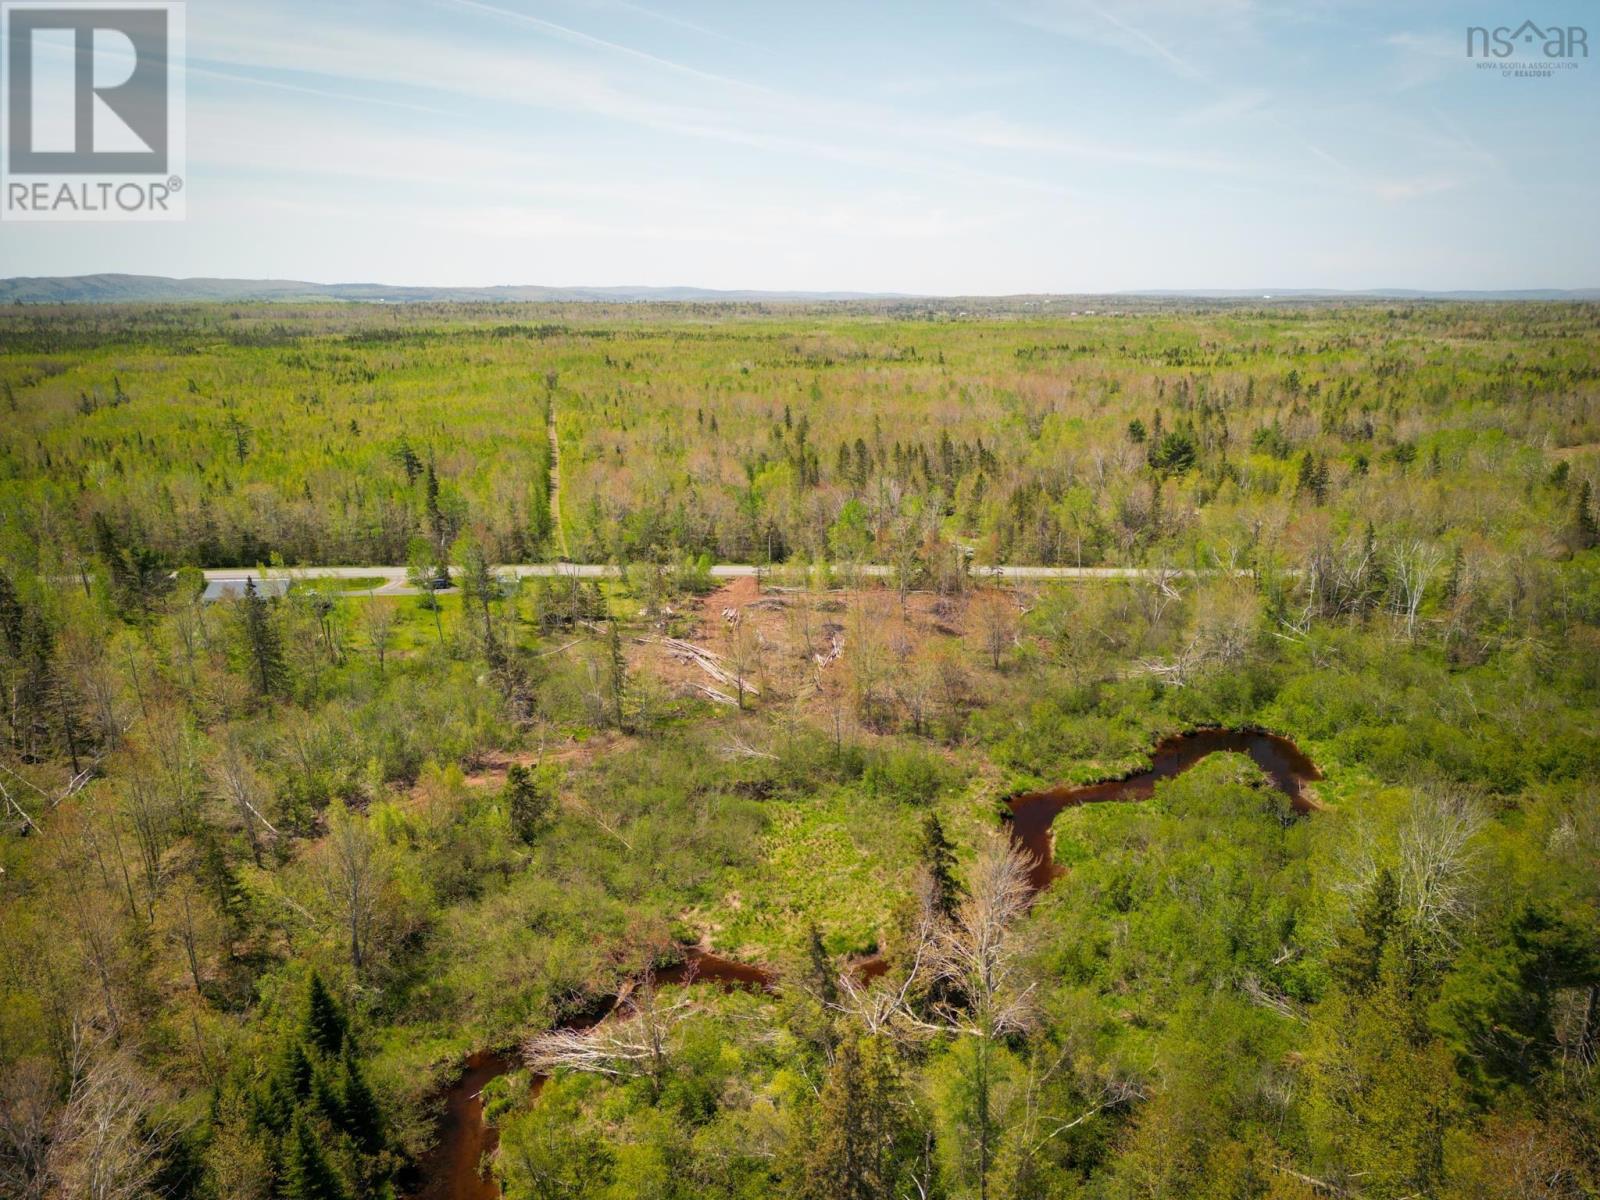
{"x":709,"y":662}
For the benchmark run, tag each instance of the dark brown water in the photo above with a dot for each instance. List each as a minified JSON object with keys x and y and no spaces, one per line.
{"x":1032,"y":813}
{"x":451,"y":1170}
{"x":701,"y":966}
{"x":873,"y":966}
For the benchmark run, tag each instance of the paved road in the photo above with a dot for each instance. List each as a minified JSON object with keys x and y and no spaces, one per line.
{"x":394,"y":578}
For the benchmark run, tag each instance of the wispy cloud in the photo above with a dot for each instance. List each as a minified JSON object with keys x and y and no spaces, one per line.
{"x":1070,"y":143}
{"x":1181,"y":34}
{"x":580,"y":38}
{"x":299,"y":89}
{"x":1226,"y":109}
{"x":1001,"y":133}
{"x":671,"y":19}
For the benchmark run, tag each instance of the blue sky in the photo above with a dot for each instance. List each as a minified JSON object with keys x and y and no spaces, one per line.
{"x":1019,"y":145}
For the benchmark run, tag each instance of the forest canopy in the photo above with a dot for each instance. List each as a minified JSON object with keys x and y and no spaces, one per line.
{"x":699,"y":886}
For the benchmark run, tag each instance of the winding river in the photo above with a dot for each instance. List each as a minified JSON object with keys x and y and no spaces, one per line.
{"x":451,"y":1171}
{"x":1284,"y":763}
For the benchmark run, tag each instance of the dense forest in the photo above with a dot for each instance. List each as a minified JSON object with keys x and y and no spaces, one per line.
{"x":716,"y":887}
{"x":236,"y":436}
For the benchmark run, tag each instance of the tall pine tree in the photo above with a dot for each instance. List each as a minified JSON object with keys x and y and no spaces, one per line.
{"x":307,"y":1174}
{"x":267,"y":670}
{"x":864,"y":1141}
{"x":939,"y":860}
{"x":324,"y":1025}
{"x":363,"y":1120}
{"x":1585,"y":530}
{"x":527,"y":804}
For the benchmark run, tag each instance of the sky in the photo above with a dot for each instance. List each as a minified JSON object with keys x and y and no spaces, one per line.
{"x":933,"y":148}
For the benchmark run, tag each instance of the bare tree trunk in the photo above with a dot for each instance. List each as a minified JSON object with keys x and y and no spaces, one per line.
{"x":352,"y":878}
{"x":636,"y":1043}
{"x":237,"y":780}
{"x":186,"y":932}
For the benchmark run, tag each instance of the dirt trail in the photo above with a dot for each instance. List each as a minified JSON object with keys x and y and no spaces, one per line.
{"x":491,"y":770}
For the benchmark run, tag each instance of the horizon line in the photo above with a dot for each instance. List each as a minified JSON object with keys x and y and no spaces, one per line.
{"x":1266,"y":292}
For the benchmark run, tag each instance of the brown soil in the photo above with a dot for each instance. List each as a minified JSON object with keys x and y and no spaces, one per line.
{"x":807,"y":641}
{"x":492,"y":767}
{"x":1576,"y":451}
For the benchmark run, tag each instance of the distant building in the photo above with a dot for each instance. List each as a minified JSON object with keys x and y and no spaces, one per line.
{"x":233,"y":588}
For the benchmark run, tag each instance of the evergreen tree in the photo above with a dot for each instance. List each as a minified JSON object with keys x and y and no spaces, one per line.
{"x":1313,"y":477}
{"x":1377,"y":571}
{"x":1585,"y":530}
{"x":327,"y":1096}
{"x":1452,"y":581}
{"x":363,"y":1119}
{"x":217,"y":874}
{"x":939,"y":860}
{"x":540,"y":524}
{"x":324,"y":1025}
{"x":527,"y":804}
{"x":307,"y":1174}
{"x":863,"y":464}
{"x":288,"y":1085}
{"x":35,"y":692}
{"x":864,"y":1140}
{"x":261,"y":639}
{"x":1355,"y":961}
{"x":823,"y":985}
{"x":138,"y":575}
{"x":11,"y":617}
{"x":436,"y":525}
{"x":616,"y":674}
{"x":408,"y":460}
{"x":1498,"y":1006}
{"x":1173,"y":452}
{"x":1382,"y":1092}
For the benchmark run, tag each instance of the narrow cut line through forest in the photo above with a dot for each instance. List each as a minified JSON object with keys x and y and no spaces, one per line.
{"x":555,"y":480}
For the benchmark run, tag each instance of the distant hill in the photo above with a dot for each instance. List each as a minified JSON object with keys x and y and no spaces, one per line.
{"x":111,"y":289}
{"x":1372,"y":293}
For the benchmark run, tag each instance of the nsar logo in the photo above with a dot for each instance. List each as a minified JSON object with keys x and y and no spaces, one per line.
{"x":1528,"y":51}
